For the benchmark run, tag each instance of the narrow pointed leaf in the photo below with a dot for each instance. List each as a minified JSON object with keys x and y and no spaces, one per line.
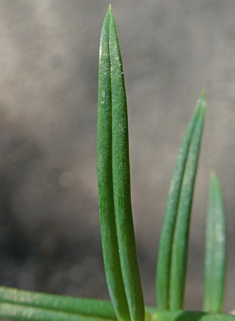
{"x":215,"y":257}
{"x":180,"y":241}
{"x":167,"y":234}
{"x":180,"y":315}
{"x":183,"y":315}
{"x":27,"y":313}
{"x":105,"y":181}
{"x":89,"y":307}
{"x":121,"y":181}
{"x":21,"y":312}
{"x":217,"y":317}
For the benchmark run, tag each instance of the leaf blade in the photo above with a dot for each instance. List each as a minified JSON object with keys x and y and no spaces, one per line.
{"x":167,"y":234}
{"x":24,"y":312}
{"x":121,"y":182}
{"x":215,"y":257}
{"x":105,"y":183}
{"x":89,"y":307}
{"x":181,"y":233}
{"x":183,"y":315}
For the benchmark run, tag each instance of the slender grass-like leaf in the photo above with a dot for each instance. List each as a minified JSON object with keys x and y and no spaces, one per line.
{"x":121,"y":182}
{"x":22,"y":312}
{"x":180,"y":241}
{"x":118,"y":241}
{"x":27,"y":313}
{"x":217,"y":317}
{"x":86,"y":307}
{"x":105,"y":181}
{"x":167,"y":234}
{"x":215,"y":257}
{"x":183,"y":315}
{"x":180,"y":315}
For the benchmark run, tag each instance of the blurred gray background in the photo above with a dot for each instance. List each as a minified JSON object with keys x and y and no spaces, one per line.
{"x":171,"y":49}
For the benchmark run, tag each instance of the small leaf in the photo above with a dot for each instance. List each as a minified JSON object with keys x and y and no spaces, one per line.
{"x":181,"y":234}
{"x":215,"y":257}
{"x":217,"y":317}
{"x":89,"y":307}
{"x":167,"y":234}
{"x":182,"y":315}
{"x":21,"y":312}
{"x":164,"y":264}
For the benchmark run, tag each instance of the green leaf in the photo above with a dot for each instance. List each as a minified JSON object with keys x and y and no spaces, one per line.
{"x":121,"y":182}
{"x":182,"y":315}
{"x":22,"y":312}
{"x":89,"y":307}
{"x":217,"y":317}
{"x":105,"y":182}
{"x":117,"y":232}
{"x":215,"y":257}
{"x":167,"y":234}
{"x":181,"y":233}
{"x":176,"y":192}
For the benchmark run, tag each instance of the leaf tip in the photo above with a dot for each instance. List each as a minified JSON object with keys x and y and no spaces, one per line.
{"x":203,"y":98}
{"x":213,"y":178}
{"x":110,"y":11}
{"x":212,"y":174}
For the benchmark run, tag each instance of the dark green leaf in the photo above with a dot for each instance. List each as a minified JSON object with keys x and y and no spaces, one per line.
{"x":118,"y":241}
{"x":215,"y":249}
{"x":121,"y":182}
{"x":105,"y":180}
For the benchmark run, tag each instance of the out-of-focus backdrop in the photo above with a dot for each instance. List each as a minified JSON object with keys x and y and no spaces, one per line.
{"x":49,"y":224}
